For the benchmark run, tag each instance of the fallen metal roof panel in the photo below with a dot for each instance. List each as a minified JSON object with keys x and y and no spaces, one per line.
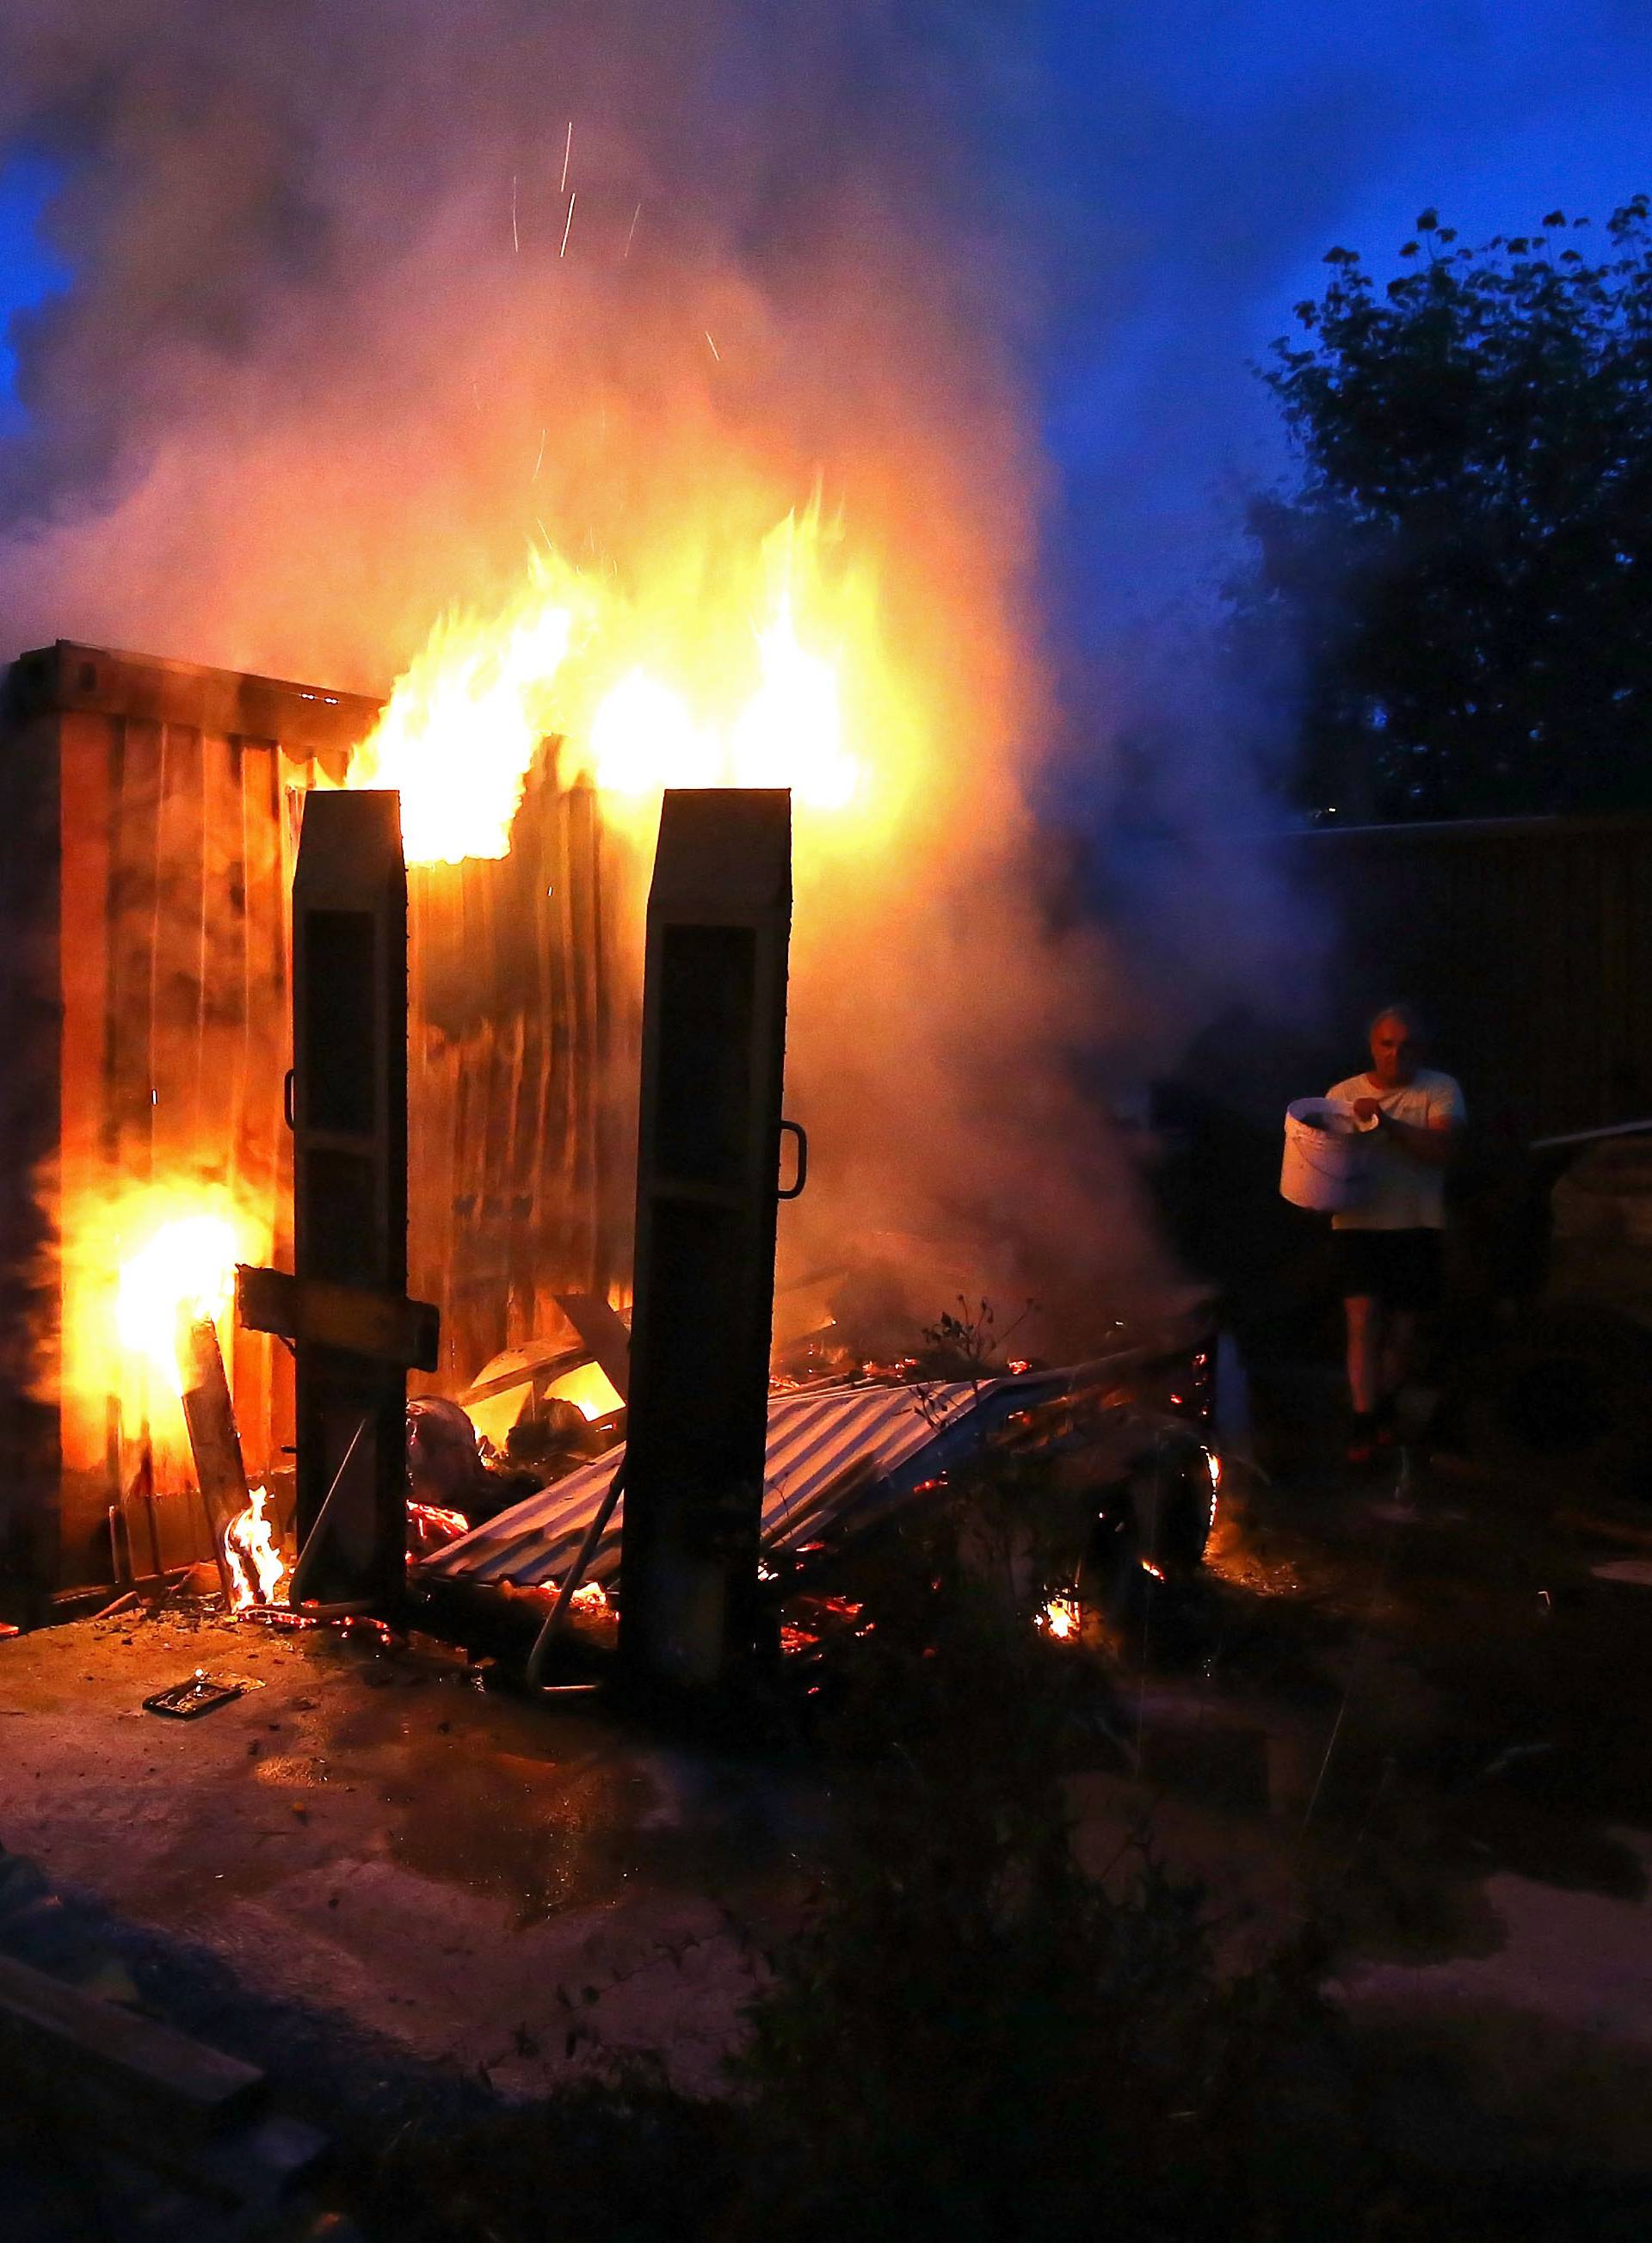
{"x":822,"y":1444}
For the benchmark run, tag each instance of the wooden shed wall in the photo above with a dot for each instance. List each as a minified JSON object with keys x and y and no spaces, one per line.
{"x":145,"y":873}
{"x":519,"y":1187}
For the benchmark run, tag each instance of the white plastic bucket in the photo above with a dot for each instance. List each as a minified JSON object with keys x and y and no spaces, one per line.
{"x":1325,"y":1155}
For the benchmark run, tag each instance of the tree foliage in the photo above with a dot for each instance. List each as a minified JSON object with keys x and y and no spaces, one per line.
{"x":1463,"y":570}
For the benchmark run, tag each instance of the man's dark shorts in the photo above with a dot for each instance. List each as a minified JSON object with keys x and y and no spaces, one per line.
{"x":1401,"y":1269}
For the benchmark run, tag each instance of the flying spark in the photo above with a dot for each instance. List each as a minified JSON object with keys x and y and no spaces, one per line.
{"x":635,"y":215}
{"x":716,"y":353}
{"x":515,"y":239}
{"x":568,"y":150}
{"x":568,"y":228}
{"x":540,"y":461}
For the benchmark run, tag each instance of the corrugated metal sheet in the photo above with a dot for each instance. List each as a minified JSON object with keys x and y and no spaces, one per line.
{"x":821,"y":1447}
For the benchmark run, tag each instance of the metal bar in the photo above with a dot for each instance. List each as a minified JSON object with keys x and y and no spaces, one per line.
{"x":574,"y":1577}
{"x":311,"y":1543}
{"x":1589,"y":1136}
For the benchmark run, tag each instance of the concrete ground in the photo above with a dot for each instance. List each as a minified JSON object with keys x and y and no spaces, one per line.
{"x":1413,"y":1709}
{"x":368,"y":1832}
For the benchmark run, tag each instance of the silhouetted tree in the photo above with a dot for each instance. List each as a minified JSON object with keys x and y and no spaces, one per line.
{"x":1462,"y":573}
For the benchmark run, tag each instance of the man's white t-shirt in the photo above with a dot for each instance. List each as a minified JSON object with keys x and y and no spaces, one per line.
{"x":1401,"y":1194}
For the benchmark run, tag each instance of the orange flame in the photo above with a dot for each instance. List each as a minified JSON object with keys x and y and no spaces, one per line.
{"x":1060,"y":1618}
{"x":459,"y":734}
{"x":185,"y":1267}
{"x":257,"y":1568}
{"x":139,"y":1259}
{"x":737,"y":674}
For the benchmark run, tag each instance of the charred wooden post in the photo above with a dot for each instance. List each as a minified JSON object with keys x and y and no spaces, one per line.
{"x":719,"y":919}
{"x":214,"y":1441}
{"x":349,"y":1108}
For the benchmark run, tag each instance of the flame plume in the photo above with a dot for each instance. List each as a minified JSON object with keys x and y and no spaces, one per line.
{"x":746,"y":688}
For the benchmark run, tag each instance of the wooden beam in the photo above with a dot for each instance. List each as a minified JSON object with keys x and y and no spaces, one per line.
{"x":49,"y":2027}
{"x":383,"y":1327}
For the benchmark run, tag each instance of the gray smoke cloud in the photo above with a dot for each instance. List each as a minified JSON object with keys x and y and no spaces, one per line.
{"x":339,"y":351}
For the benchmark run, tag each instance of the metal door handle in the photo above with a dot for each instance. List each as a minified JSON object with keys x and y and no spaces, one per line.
{"x":286,"y":1099}
{"x":798,"y":1132}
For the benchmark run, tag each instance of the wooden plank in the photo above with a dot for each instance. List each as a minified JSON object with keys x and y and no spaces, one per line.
{"x":383,"y":1327}
{"x":144,"y":687}
{"x":49,"y":2027}
{"x":87,"y":746}
{"x":31,"y":1518}
{"x":134,"y":804}
{"x":177,"y":964}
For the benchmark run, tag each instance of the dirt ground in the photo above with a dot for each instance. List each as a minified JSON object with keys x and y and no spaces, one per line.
{"x":1412,"y":1707}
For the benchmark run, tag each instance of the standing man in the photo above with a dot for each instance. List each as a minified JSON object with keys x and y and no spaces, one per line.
{"x":1388,"y":1246}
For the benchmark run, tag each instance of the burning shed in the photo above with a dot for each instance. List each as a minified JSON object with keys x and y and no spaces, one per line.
{"x":146,"y":853}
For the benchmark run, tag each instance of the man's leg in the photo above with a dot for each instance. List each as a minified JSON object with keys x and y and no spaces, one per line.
{"x":1394,"y":1358}
{"x":1365,"y":1349}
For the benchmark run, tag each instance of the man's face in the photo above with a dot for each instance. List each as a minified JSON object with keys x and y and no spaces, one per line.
{"x":1393,"y":1051}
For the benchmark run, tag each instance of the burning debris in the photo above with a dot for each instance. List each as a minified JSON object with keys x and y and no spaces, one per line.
{"x":1061,"y":1618}
{"x":257,"y":1566}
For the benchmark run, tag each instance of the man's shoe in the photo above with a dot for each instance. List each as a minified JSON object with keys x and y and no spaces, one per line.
{"x":1362,"y":1441}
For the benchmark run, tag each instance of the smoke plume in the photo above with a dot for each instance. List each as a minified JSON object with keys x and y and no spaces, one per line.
{"x":371,"y":299}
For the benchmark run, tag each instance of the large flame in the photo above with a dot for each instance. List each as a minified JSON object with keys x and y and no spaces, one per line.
{"x":460,"y":732}
{"x":139,"y":1261}
{"x":728,"y":669}
{"x":184,"y":1266}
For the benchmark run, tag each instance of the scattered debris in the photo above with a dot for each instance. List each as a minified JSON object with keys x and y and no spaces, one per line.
{"x":188,"y":1701}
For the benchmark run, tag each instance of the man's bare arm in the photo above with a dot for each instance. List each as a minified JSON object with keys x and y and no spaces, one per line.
{"x":1431,"y":1142}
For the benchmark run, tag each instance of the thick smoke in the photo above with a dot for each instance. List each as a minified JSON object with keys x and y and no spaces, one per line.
{"x":341,"y":347}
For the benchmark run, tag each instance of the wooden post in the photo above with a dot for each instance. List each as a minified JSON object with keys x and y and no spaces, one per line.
{"x":349,"y":1115}
{"x":719,"y":919}
{"x":214,"y":1442}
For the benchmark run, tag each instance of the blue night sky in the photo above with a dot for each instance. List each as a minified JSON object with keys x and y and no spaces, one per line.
{"x":1230,"y":147}
{"x":28,"y":270}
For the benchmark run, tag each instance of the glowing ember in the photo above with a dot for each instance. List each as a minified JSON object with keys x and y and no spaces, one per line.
{"x":1060,"y":1618}
{"x":733,"y":677}
{"x":257,"y":1568}
{"x":186,"y":1267}
{"x":589,"y":1388}
{"x":431,"y":1524}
